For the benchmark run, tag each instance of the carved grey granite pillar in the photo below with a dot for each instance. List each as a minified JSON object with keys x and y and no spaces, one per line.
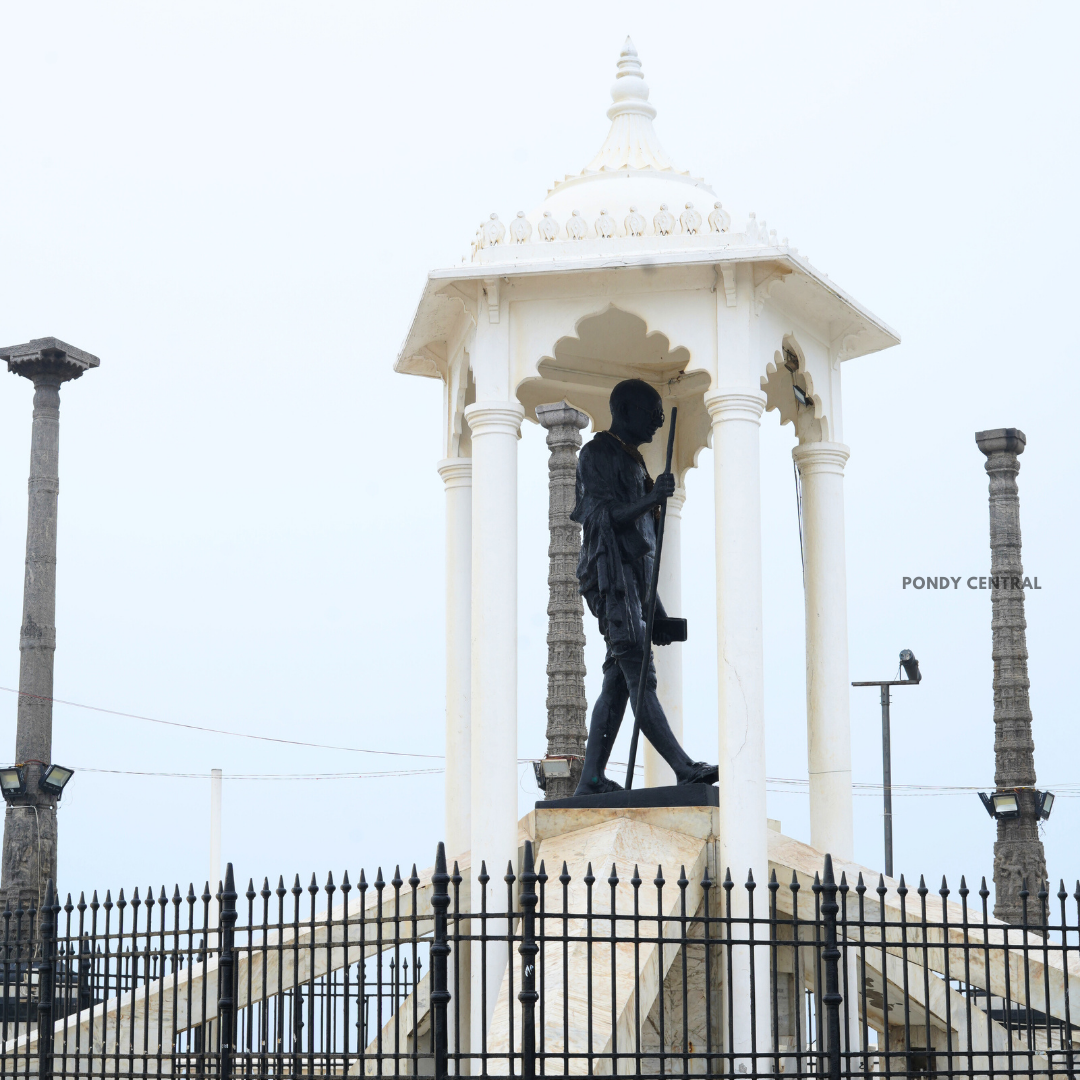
{"x":29,"y":855}
{"x":1018,"y":852}
{"x":566,"y":705}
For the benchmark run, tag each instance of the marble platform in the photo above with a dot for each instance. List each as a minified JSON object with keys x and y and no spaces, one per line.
{"x":686,"y":795}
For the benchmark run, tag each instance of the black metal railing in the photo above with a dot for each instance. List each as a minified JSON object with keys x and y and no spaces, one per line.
{"x":660,"y":978}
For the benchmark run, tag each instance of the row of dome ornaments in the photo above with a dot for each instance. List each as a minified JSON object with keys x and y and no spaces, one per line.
{"x":492,"y":232}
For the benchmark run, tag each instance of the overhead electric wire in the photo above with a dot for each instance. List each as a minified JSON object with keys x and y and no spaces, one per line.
{"x":266,"y":776}
{"x":220,"y":731}
{"x":777,"y":784}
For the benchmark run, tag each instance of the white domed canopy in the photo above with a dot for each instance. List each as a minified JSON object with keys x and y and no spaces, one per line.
{"x":631,"y":169}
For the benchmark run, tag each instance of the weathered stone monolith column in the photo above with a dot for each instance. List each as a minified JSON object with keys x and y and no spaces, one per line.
{"x":1018,"y":852}
{"x":566,"y":705}
{"x":29,"y":856}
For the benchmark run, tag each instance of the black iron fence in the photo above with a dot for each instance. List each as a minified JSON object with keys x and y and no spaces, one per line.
{"x":610,"y":975}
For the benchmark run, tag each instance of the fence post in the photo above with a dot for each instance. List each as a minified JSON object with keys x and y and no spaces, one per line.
{"x":831,"y":956}
{"x":226,"y":1001}
{"x":46,"y":983}
{"x":528,"y":950}
{"x":440,"y":950}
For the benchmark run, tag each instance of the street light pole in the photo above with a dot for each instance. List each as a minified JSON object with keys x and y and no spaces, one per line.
{"x":911,"y":668}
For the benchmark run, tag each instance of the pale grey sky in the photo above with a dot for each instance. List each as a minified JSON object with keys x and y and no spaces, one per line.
{"x":234,"y":206}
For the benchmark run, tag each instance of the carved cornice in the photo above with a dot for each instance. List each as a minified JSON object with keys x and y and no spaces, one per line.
{"x":48,"y":357}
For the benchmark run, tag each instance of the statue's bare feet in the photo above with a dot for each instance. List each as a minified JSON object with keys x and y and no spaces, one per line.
{"x":602,"y":786}
{"x":700,"y":773}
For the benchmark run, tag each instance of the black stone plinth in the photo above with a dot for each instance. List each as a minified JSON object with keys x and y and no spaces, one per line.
{"x":688,"y":795}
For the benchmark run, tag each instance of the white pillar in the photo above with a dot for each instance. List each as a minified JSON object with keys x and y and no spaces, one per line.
{"x":495,"y":427}
{"x":828,"y":734}
{"x":744,"y":845}
{"x":669,"y":658}
{"x":457,"y":478}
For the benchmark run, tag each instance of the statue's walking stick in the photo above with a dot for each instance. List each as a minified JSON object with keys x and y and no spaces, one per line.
{"x":650,"y":615}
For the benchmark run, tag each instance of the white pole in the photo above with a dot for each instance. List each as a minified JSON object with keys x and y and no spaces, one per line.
{"x":495,"y":426}
{"x":821,"y":467}
{"x":215,"y":839}
{"x":736,"y":418}
{"x":457,"y":477}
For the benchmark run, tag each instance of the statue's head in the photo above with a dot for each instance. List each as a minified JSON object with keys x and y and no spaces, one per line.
{"x":637,"y":410}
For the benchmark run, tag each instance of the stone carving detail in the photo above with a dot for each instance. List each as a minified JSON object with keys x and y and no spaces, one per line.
{"x":1019,"y":859}
{"x":576,"y":229}
{"x":605,"y":225}
{"x":491,"y":294}
{"x":689,"y":223}
{"x":548,"y":229}
{"x":566,"y":704}
{"x":731,"y":294}
{"x":493,"y":231}
{"x":664,"y":221}
{"x":635,"y":222}
{"x":719,"y":219}
{"x":520,"y":228}
{"x":690,"y":220}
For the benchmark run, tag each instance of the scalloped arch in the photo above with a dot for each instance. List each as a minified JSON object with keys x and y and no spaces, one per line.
{"x":610,"y":343}
{"x":811,"y":423}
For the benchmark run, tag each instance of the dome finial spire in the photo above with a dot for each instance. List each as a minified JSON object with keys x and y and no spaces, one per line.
{"x":631,"y":143}
{"x":630,"y":91}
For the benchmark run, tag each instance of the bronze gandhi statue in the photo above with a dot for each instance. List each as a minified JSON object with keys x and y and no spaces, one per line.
{"x":618,"y":508}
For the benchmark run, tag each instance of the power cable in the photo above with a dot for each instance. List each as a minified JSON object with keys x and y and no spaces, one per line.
{"x":218,"y":731}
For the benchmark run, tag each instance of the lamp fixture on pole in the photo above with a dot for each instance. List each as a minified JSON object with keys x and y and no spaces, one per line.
{"x":1004,"y":805}
{"x":911,"y":669}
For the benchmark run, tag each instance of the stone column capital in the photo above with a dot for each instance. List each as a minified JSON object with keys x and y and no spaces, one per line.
{"x":561,"y":414}
{"x":1011,"y":440}
{"x":676,"y":502}
{"x":47,"y":361}
{"x":495,"y":417}
{"x":456,"y":472}
{"x":821,"y":457}
{"x":735,"y":403}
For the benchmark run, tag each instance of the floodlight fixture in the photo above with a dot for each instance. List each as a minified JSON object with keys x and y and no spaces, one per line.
{"x":54,"y":779}
{"x":801,"y":396}
{"x":13,"y":781}
{"x":552,"y":768}
{"x":1001,"y":804}
{"x":910,"y":666}
{"x":1046,"y":804}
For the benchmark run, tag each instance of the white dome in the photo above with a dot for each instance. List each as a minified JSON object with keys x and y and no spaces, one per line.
{"x":631,"y":169}
{"x":616,"y":192}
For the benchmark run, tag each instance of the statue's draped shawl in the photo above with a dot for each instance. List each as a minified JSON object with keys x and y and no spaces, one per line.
{"x":615,"y":567}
